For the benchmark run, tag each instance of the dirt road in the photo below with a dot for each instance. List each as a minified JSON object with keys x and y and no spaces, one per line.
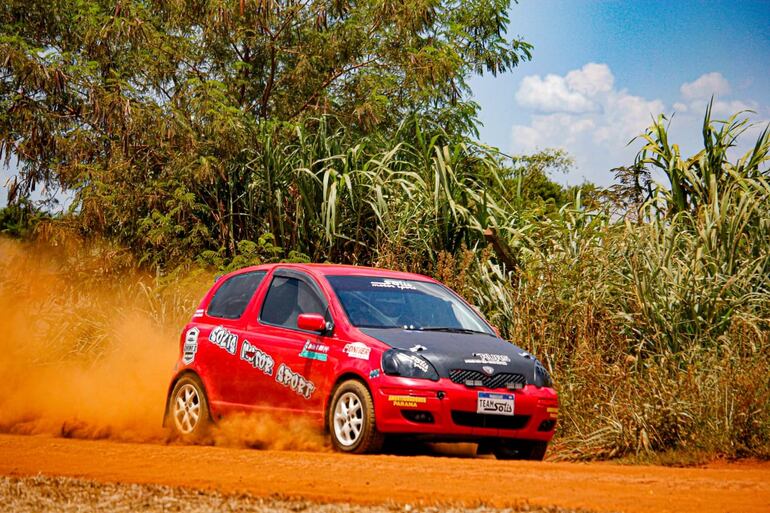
{"x":416,"y":480}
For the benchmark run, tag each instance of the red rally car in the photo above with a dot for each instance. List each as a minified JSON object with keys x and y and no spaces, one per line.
{"x":369,"y":353}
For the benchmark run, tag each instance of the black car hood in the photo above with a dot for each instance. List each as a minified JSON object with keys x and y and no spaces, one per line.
{"x":447,"y":351}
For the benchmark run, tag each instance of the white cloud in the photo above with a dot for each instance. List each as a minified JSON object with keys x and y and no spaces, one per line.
{"x":547,"y":128}
{"x":551,"y":94}
{"x":624,"y":116}
{"x":591,"y":79}
{"x":705,"y":86}
{"x":680,"y":107}
{"x":730,"y":107}
{"x":584,"y":113}
{"x":571,"y":93}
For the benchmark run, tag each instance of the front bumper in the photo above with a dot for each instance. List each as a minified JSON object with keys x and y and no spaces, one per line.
{"x":446,"y":410}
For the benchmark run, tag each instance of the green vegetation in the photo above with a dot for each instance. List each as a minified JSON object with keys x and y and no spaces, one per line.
{"x":219,"y":134}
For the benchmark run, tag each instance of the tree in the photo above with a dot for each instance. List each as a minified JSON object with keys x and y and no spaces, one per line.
{"x":159,"y":115}
{"x":528,"y":179}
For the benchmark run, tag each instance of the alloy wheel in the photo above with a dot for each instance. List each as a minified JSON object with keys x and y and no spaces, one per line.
{"x":348,"y":419}
{"x":187,"y":408}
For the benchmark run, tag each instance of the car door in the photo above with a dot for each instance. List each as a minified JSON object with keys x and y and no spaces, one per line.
{"x":221,"y":330}
{"x":300,"y":358}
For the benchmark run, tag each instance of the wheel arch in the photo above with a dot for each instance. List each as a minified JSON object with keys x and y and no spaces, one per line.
{"x":345,"y":376}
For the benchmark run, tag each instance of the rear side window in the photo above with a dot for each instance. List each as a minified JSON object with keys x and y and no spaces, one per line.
{"x":232,"y":297}
{"x":286,"y":299}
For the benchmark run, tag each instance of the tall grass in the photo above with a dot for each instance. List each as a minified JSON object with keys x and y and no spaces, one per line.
{"x":658,"y":332}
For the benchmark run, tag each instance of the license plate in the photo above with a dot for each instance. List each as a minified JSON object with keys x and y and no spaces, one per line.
{"x":494,"y":404}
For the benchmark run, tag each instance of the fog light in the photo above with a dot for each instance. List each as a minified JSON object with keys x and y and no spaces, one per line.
{"x":421,"y":417}
{"x":546,"y":425}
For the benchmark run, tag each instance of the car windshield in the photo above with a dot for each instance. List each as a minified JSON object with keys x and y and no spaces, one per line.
{"x":375,"y":302}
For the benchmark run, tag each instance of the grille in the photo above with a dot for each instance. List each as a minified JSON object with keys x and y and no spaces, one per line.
{"x":470,"y":419}
{"x":501,"y":380}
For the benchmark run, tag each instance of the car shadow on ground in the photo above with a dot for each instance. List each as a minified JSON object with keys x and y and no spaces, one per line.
{"x":406,"y":447}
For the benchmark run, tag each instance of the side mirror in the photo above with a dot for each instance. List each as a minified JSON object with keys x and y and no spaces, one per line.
{"x":311,"y":322}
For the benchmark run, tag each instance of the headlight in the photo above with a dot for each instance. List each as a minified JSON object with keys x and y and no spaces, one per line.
{"x":407,"y":365}
{"x":542,"y":378}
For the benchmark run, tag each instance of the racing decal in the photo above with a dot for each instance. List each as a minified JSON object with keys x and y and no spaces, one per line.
{"x":313,"y":351}
{"x":222,"y":337}
{"x":190,"y":345}
{"x":357,"y":350}
{"x":394,"y":284}
{"x":198,"y":313}
{"x":257,"y":358}
{"x":418,"y":362}
{"x":406,"y":401}
{"x":375,"y":373}
{"x":288,"y":378}
{"x":491,"y":359}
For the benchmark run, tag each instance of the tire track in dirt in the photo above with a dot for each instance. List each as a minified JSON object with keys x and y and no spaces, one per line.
{"x":417,"y":480}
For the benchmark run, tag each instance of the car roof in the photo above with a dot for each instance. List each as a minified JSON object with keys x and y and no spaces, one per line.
{"x":340,"y":270}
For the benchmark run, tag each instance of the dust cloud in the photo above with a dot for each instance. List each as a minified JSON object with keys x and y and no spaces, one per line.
{"x":80,"y":353}
{"x":262,"y":431}
{"x":88,"y":345}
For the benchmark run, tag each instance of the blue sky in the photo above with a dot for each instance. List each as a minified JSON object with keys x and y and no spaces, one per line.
{"x":600,"y":69}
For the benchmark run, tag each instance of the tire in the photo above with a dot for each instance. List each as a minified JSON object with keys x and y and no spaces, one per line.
{"x":188,"y":409}
{"x":351,"y":419}
{"x":520,"y":450}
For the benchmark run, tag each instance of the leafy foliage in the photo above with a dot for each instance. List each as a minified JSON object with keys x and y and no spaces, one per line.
{"x":167,"y":119}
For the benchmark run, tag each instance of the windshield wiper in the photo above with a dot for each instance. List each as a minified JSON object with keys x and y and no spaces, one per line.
{"x":448,"y":329}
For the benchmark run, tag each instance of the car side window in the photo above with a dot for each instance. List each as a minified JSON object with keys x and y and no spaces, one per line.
{"x":233,"y":296}
{"x":286,"y":299}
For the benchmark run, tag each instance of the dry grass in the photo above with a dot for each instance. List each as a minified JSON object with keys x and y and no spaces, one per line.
{"x":65,"y":495}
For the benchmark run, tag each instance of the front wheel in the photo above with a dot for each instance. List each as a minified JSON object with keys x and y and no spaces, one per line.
{"x":520,"y":450}
{"x":351,"y":419}
{"x":188,"y":409}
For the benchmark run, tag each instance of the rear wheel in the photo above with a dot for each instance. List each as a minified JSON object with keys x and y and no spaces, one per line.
{"x":351,"y":419}
{"x":520,"y":450}
{"x":188,"y":409}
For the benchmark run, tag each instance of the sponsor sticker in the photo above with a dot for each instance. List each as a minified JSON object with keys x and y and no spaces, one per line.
{"x":553,"y":412}
{"x":394,"y":284}
{"x":295,"y":381}
{"x":258,"y":359}
{"x":375,"y":373}
{"x":222,"y":337}
{"x":314,"y":351}
{"x":357,"y":350}
{"x":198,"y":313}
{"x":190,"y":345}
{"x":489,"y":359}
{"x":406,"y":401}
{"x":418,"y":362}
